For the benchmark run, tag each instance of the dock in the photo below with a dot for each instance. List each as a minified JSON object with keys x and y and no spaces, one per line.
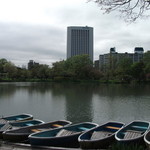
{"x":21,"y":146}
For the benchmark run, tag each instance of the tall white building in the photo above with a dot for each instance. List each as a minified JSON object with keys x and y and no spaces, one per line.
{"x":79,"y":41}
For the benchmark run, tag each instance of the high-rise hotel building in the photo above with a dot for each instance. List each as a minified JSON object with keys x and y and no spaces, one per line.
{"x":79,"y":41}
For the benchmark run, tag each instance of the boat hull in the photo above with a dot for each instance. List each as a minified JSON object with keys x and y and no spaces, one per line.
{"x":104,"y":143}
{"x":17,"y":125}
{"x":147,"y":140}
{"x":50,"y":138}
{"x":71,"y":141}
{"x":102,"y":140}
{"x":133,"y":133}
{"x":17,"y":118}
{"x":21,"y":135}
{"x":1,"y":130}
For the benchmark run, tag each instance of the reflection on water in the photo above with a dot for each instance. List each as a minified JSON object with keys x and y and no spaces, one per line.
{"x":7,"y":90}
{"x":76,"y":102}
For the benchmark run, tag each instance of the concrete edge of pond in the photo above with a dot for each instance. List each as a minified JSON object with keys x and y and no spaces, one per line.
{"x":21,"y":146}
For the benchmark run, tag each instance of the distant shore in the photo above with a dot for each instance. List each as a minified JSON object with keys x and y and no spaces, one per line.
{"x":76,"y":81}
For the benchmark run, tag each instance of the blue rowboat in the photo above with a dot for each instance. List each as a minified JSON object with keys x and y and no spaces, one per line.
{"x":64,"y":137}
{"x":147,"y":139}
{"x":26,"y":123}
{"x":133,"y":133}
{"x":16,"y":118}
{"x":21,"y":134}
{"x":100,"y":137}
{"x":16,"y":125}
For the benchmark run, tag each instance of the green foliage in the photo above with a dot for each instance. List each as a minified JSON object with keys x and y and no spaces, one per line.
{"x":22,"y":74}
{"x":123,"y":70}
{"x":79,"y":68}
{"x":78,"y":65}
{"x":137,"y":71}
{"x":124,"y":66}
{"x":146,"y":61}
{"x":126,"y":71}
{"x":146,"y":58}
{"x":10,"y":69}
{"x":40,"y":72}
{"x":59,"y":68}
{"x":2,"y":63}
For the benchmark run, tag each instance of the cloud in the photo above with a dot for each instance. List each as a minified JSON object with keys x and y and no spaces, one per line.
{"x":31,"y":42}
{"x":37,"y":30}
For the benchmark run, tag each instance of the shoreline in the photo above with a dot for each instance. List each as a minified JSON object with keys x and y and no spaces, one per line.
{"x":78,"y":81}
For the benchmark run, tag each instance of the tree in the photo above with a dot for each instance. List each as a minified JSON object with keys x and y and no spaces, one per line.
{"x":137,"y":71}
{"x":146,"y":61}
{"x":111,"y":66}
{"x":123,"y":70}
{"x":43,"y":71}
{"x":11,"y":70}
{"x":131,"y":10}
{"x":59,"y":68}
{"x":3,"y":61}
{"x":79,"y":66}
{"x":22,"y":73}
{"x":40,"y":71}
{"x":76,"y":67}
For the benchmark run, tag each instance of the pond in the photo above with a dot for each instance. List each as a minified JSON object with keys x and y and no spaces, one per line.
{"x":76,"y":102}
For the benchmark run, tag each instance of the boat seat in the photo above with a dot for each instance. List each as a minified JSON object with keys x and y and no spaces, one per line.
{"x":3,"y":121}
{"x":65,"y":132}
{"x":140,"y":127}
{"x":18,"y":118}
{"x":100,"y":134}
{"x":130,"y":134}
{"x":29,"y":124}
{"x":83,"y":128}
{"x":40,"y":129}
{"x":57,"y":125}
{"x":112,"y":127}
{"x":5,"y":127}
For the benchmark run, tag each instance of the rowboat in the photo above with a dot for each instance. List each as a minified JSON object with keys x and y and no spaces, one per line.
{"x":133,"y":133}
{"x":100,"y":137}
{"x":16,"y":118}
{"x":21,"y":135}
{"x":16,"y":125}
{"x":147,"y":139}
{"x":64,"y":137}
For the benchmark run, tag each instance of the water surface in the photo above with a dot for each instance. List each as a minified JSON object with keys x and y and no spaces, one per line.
{"x":76,"y":102}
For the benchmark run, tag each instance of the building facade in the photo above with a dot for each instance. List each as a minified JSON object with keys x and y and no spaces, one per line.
{"x":32,"y":64}
{"x":113,"y":57}
{"x":79,"y":41}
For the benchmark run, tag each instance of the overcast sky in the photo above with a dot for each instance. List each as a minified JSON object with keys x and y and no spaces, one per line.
{"x":37,"y":29}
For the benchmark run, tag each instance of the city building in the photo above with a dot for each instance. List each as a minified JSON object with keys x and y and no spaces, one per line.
{"x":112,"y":58}
{"x":96,"y":64}
{"x":32,"y":64}
{"x":79,"y":41}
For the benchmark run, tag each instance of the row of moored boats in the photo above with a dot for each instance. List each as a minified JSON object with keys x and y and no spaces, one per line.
{"x":62,"y":133}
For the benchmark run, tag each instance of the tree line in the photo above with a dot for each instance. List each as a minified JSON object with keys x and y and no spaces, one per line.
{"x":126,"y":71}
{"x":79,"y":68}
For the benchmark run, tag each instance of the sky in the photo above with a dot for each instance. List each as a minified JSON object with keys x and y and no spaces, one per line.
{"x":37,"y":30}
